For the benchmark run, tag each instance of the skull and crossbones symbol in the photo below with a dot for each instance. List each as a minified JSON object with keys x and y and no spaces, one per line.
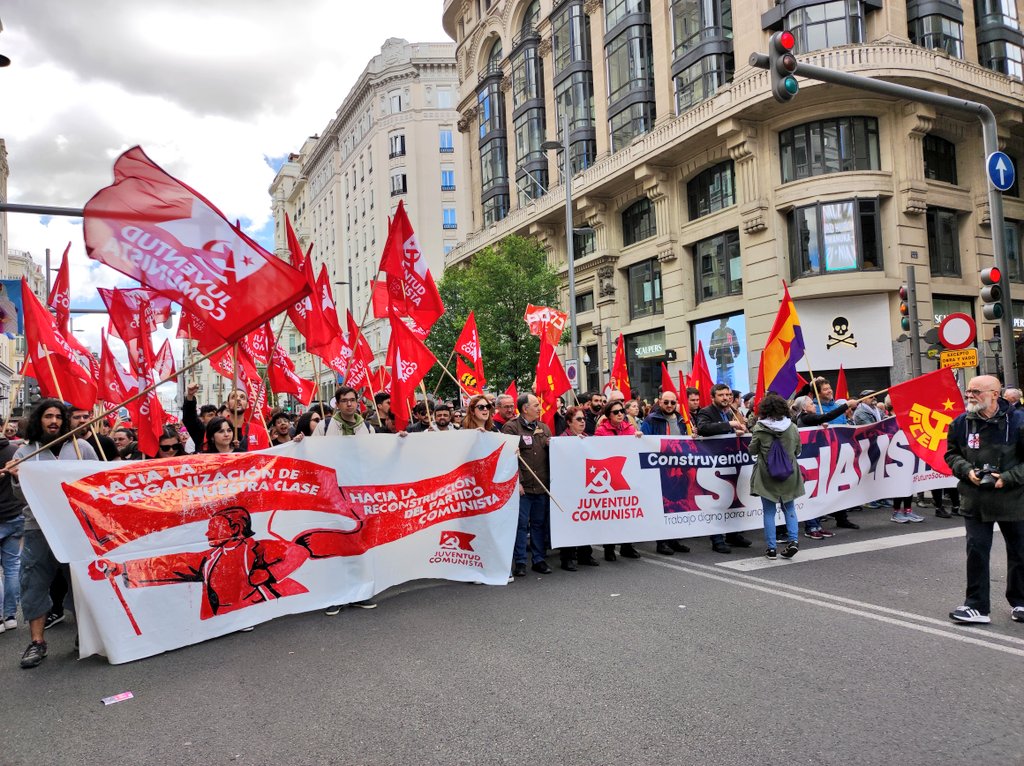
{"x":841,"y":328}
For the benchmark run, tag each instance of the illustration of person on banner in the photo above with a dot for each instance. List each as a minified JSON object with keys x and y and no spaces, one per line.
{"x":237,"y":572}
{"x":724,"y":348}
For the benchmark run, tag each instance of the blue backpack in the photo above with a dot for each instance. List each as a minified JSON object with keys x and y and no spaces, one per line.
{"x":779,"y":463}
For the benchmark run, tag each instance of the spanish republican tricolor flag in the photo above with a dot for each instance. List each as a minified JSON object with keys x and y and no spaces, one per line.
{"x":783,"y":349}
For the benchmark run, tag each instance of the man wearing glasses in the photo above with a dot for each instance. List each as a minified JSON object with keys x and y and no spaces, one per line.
{"x":665,"y":420}
{"x":985,"y":451}
{"x":534,"y":478}
{"x":346,"y":419}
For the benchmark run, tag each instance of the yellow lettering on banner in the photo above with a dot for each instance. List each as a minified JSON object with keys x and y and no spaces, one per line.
{"x":929,"y":427}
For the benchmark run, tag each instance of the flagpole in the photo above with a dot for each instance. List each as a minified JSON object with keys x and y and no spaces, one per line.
{"x":117,"y":408}
{"x":440,"y":380}
{"x":234,"y":387}
{"x":265,"y":379}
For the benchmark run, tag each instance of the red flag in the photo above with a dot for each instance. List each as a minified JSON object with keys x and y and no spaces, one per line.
{"x":163,"y":366}
{"x":195,"y":328}
{"x":924,"y":408}
{"x":284,"y":379}
{"x":294,"y":248}
{"x":545,"y":322}
{"x":63,"y":371}
{"x":666,"y":382}
{"x":471,"y":371}
{"x":841,"y":390}
{"x":361,"y":355}
{"x":620,"y":372}
{"x":411,"y":287}
{"x":606,"y":474}
{"x":409,"y":361}
{"x":551,"y":383}
{"x":257,"y":344}
{"x":121,"y":304}
{"x":511,"y":391}
{"x":701,"y":378}
{"x":60,"y":293}
{"x":155,"y":229}
{"x":328,"y":308}
{"x":308,"y":317}
{"x":684,"y":382}
{"x":380,"y":380}
{"x":116,"y":384}
{"x":379,"y":299}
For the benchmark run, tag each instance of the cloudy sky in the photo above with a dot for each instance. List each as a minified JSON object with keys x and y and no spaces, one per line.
{"x":217,"y":93}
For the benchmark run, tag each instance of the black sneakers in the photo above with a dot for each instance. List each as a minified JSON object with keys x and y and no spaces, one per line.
{"x":771,"y":553}
{"x":792,"y":549}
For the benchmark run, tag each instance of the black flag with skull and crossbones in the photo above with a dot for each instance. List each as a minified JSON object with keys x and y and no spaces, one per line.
{"x":843,"y":334}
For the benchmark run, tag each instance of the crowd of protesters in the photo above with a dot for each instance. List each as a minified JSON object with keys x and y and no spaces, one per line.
{"x":34,"y":579}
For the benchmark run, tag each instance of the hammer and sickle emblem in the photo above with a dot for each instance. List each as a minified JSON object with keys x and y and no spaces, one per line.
{"x":929,"y":428}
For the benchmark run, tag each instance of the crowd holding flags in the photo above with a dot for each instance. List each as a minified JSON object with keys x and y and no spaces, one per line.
{"x":159,"y":231}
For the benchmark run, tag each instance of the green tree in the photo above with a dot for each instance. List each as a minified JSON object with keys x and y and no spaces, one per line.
{"x":496,"y":284}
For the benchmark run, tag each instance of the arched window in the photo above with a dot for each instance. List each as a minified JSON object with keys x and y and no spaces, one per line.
{"x":638,"y":222}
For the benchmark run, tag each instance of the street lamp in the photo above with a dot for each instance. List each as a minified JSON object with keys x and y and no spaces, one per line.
{"x":569,"y":254}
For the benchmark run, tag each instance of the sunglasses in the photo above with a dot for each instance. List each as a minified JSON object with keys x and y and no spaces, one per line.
{"x":484,"y":407}
{"x":168,"y":447}
{"x":579,"y":420}
{"x":669,"y":403}
{"x":615,"y":412}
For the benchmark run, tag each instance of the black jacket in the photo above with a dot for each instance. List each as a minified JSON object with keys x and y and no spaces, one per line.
{"x":805,"y":419}
{"x":10,"y":505}
{"x":710,"y":423}
{"x":195,"y":428}
{"x":998,"y":441}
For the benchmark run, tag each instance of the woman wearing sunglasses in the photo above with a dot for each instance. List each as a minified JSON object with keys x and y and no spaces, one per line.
{"x":479,"y":415}
{"x":576,"y":423}
{"x":615,"y":423}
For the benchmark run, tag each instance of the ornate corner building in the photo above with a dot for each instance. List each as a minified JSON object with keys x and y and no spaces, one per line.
{"x":694,"y":193}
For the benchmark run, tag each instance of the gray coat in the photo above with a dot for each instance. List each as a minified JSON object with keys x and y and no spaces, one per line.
{"x":67,"y":452}
{"x":761,"y":483}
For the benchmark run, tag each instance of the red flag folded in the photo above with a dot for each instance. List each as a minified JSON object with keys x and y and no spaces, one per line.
{"x":411,"y":287}
{"x":701,"y":378}
{"x":294,"y":248}
{"x":545,"y":322}
{"x":924,"y":408}
{"x":841,"y":389}
{"x":63,"y":371}
{"x":122,"y":303}
{"x":620,"y":372}
{"x":308,"y":317}
{"x":471,"y":371}
{"x":284,"y":379}
{"x":153,"y":228}
{"x":409,"y":361}
{"x":379,"y":298}
{"x":163,"y":365}
{"x":551,"y":383}
{"x":328,"y":308}
{"x":195,"y":328}
{"x":116,"y":384}
{"x":666,"y":381}
{"x":514,"y":393}
{"x":60,"y":294}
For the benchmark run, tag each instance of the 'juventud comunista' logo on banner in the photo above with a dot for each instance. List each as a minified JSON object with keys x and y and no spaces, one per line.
{"x":611,"y":496}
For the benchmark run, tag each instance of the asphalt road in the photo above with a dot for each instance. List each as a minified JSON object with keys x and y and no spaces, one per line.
{"x":679,"y":660}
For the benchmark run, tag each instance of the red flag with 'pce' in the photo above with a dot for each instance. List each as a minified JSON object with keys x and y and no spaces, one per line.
{"x":545,"y":322}
{"x":155,"y":229}
{"x":924,"y":408}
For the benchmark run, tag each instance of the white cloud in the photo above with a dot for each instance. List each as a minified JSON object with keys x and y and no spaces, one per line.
{"x":209,"y":90}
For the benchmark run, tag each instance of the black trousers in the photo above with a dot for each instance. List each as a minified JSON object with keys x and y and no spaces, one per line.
{"x":979,"y":550}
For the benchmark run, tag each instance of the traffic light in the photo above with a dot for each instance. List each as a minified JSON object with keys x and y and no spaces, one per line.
{"x":782,"y":65}
{"x":991,"y":294}
{"x":904,"y":293}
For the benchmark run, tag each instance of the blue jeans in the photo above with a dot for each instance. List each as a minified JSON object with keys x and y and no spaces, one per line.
{"x":769,"y":507}
{"x":38,"y":568}
{"x":11,"y":533}
{"x":533,"y":519}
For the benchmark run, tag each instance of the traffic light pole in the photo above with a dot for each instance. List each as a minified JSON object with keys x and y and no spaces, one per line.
{"x":915,"y":336}
{"x":995,"y":197}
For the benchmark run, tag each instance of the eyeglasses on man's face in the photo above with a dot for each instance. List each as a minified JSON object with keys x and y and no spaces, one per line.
{"x":669,"y":402}
{"x":347,"y":400}
{"x":980,"y":391}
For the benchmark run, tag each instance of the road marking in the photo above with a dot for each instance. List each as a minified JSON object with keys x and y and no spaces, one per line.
{"x":856,"y":608}
{"x":843,"y":549}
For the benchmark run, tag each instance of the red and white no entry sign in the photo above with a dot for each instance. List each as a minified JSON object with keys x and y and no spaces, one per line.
{"x":957,"y":331}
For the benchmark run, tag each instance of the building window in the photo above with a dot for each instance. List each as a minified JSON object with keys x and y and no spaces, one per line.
{"x":712,"y":190}
{"x":829,"y":146}
{"x":719,"y":271}
{"x":645,"y":289}
{"x":702,"y":79}
{"x":616,"y":10}
{"x":583,"y":244}
{"x":939,"y":159}
{"x":630,"y":58}
{"x":826,"y":25}
{"x":491,"y":106}
{"x":447,"y":180}
{"x":495,"y":208}
{"x":943,"y":242}
{"x":448,"y":247}
{"x":584,"y":302}
{"x":395,"y":102}
{"x":575,"y":95}
{"x":448,"y":218}
{"x":638,"y":222}
{"x":446,"y":145}
{"x":570,"y":36}
{"x":1003,"y":57}
{"x":444,"y":99}
{"x":833,"y":237}
{"x":493,"y":165}
{"x":630,"y":123}
{"x":396,"y":145}
{"x":937,"y":33}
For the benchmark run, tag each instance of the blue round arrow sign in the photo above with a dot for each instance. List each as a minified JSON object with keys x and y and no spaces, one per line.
{"x":1000,"y":170}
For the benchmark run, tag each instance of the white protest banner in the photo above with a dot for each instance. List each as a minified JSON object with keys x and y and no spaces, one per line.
{"x":165,"y":553}
{"x":623,"y":489}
